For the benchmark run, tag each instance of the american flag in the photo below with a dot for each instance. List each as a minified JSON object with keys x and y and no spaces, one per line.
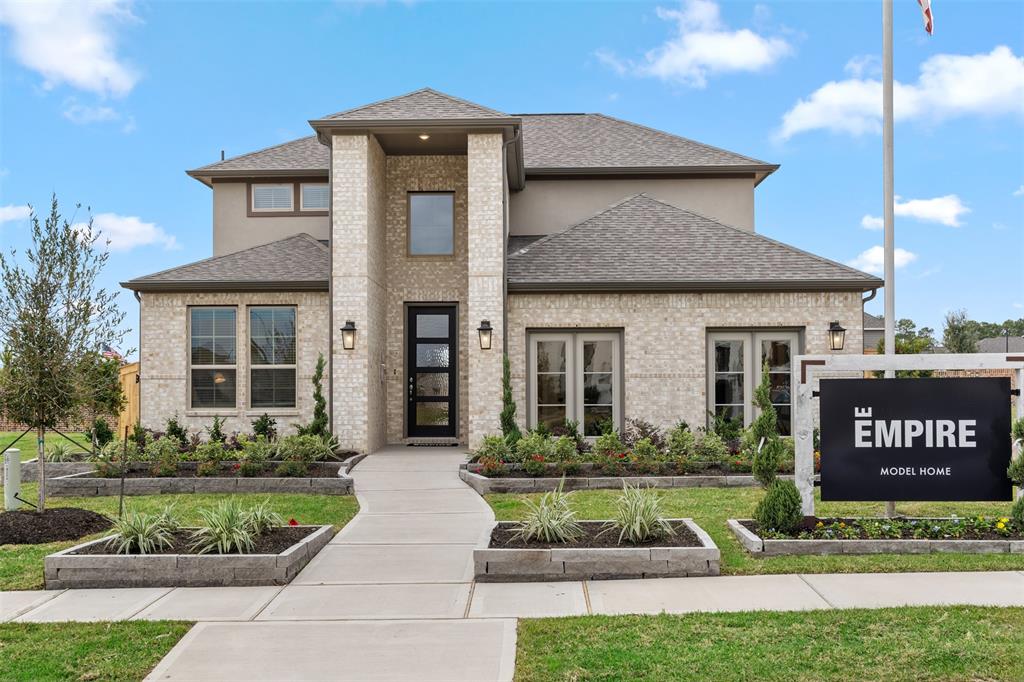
{"x":926,"y":14}
{"x":109,"y":352}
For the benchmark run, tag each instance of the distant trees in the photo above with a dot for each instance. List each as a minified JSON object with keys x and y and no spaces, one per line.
{"x":959,"y":335}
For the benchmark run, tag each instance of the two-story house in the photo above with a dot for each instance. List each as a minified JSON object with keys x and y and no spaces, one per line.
{"x":415,"y":241}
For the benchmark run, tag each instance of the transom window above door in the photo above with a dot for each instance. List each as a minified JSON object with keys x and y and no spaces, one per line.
{"x":734,"y":365}
{"x":431,"y":223}
{"x":575,"y":376}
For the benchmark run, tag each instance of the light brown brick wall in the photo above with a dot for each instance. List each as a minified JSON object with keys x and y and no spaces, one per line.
{"x":164,"y":352}
{"x":664,"y":338}
{"x":421,"y":279}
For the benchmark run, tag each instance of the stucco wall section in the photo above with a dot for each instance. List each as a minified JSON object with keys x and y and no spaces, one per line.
{"x":234,"y":230}
{"x":422,"y":279}
{"x":664,"y":338}
{"x":164,"y":352}
{"x":358,"y":290}
{"x":486,"y":281}
{"x":547,"y":206}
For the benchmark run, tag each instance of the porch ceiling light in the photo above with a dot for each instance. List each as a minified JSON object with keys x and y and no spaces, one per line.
{"x":424,"y":137}
{"x":836,"y":336}
{"x":484,"y":330}
{"x":348,"y":335}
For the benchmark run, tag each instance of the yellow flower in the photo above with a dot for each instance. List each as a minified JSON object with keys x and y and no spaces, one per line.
{"x":1004,"y":520}
{"x":842,"y":524}
{"x":819,"y":524}
{"x":1000,"y":525}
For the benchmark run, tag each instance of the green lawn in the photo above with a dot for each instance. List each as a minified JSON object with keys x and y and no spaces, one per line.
{"x":85,"y":651}
{"x":27,"y":444}
{"x":710,"y":507}
{"x":22,"y":565}
{"x":931,"y":643}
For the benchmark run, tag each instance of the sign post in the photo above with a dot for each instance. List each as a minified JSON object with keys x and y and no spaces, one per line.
{"x":810,"y":367}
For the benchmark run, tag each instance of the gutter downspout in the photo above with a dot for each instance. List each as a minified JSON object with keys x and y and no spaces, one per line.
{"x":504,"y":246}
{"x":138,"y":299}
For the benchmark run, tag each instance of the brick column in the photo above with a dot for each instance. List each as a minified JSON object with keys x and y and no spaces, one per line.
{"x":357,"y":290}
{"x":485,"y":299}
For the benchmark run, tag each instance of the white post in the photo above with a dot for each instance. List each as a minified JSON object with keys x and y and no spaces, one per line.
{"x":888,"y":191}
{"x":12,"y":479}
{"x":804,"y":469}
{"x":1020,"y":415}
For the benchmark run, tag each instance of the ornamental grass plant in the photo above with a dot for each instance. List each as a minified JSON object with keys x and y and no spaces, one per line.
{"x":550,"y":519}
{"x":638,"y":516}
{"x":226,"y":529}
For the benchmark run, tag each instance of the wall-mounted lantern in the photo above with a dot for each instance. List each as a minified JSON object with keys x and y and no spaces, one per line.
{"x":348,"y":335}
{"x":485,"y":330}
{"x":836,"y":336}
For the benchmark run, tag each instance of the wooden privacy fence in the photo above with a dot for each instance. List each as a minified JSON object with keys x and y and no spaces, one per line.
{"x":130,"y":387}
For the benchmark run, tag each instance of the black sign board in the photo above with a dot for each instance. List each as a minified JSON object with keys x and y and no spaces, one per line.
{"x":915,"y":439}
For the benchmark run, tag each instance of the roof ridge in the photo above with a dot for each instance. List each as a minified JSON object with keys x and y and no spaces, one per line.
{"x":227,"y":255}
{"x":680,"y":137}
{"x":311,"y":238}
{"x":209,"y":166}
{"x":410,"y":94}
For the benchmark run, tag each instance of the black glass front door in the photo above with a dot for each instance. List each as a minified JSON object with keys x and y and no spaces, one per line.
{"x":431,"y":372}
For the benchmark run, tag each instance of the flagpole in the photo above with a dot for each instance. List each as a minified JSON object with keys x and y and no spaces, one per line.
{"x":887,"y":182}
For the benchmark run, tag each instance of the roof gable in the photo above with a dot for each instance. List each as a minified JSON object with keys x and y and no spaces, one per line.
{"x":646,"y":244}
{"x":418,"y":105}
{"x":296,"y":262}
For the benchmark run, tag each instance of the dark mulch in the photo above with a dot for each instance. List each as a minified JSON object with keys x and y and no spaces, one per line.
{"x":274,"y":541}
{"x":52,"y":525}
{"x":588,"y":470}
{"x":502,"y":537}
{"x":810,"y":522}
{"x":317,"y":470}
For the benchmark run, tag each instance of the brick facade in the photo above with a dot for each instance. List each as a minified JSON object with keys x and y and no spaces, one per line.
{"x":164,"y":352}
{"x":664,"y":338}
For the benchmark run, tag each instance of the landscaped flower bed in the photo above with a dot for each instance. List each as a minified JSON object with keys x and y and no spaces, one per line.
{"x":236,"y":547}
{"x":550,"y":544}
{"x":874,"y":536}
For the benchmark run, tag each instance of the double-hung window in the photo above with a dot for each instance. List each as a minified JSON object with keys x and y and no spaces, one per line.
{"x":272,"y":357}
{"x":735,"y":361}
{"x":575,"y":376}
{"x":276,"y":197}
{"x":212,"y":357}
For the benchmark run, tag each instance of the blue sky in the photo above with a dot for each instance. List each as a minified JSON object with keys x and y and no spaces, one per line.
{"x":108,"y":103}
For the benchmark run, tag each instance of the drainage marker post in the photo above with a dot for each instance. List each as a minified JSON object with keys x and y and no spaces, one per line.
{"x":12,"y":479}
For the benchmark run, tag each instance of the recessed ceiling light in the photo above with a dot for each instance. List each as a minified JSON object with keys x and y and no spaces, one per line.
{"x":424,"y":137}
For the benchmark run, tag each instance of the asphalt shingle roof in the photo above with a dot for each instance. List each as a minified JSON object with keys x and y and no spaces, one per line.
{"x":644,"y":243}
{"x":306,"y":153}
{"x":421,"y":104}
{"x":599,"y":141}
{"x":873,"y":321}
{"x":998,"y":344}
{"x":299,"y":261}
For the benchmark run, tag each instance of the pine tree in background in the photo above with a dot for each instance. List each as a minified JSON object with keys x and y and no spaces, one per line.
{"x":509,"y":428}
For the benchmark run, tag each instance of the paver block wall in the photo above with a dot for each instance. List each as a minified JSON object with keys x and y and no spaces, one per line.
{"x":665,"y":335}
{"x":164,"y":352}
{"x":424,"y":279}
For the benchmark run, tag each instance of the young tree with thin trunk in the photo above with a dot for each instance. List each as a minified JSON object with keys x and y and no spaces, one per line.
{"x":52,"y":315}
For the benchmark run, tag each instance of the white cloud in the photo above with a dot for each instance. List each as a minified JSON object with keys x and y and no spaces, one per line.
{"x":12,"y":213}
{"x":1019,"y":192}
{"x":702,"y":46}
{"x":865,"y":64}
{"x":71,"y":41}
{"x":83,"y":114}
{"x":873,"y":260}
{"x":949,"y":86}
{"x":127,"y":232}
{"x":943,"y":210}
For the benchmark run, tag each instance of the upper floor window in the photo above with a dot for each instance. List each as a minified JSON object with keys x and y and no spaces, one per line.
{"x":212,"y":357}
{"x":431,"y":223}
{"x":277,"y":197}
{"x":272,"y":356}
{"x":314,"y":197}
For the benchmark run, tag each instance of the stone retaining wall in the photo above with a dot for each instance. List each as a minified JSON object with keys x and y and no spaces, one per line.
{"x":571,"y":563}
{"x":30,"y":470}
{"x":484,"y":485}
{"x":67,"y":570}
{"x":86,"y":485}
{"x":771,"y":547}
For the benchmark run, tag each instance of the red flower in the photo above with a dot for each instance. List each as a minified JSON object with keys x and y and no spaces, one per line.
{"x":537,"y":458}
{"x":292,"y":522}
{"x":237,"y":466}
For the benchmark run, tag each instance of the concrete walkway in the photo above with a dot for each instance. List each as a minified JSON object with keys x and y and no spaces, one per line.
{"x":392,"y":596}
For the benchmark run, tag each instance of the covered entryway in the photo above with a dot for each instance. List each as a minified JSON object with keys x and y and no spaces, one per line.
{"x":431,"y":371}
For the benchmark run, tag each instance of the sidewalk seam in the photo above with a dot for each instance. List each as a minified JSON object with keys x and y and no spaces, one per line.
{"x":815,"y":590}
{"x":469,"y":600}
{"x":586,"y":598}
{"x":269,"y":602}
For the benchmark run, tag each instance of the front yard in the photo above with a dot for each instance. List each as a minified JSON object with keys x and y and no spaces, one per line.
{"x":27,"y":444}
{"x":22,"y":565}
{"x":928,"y":643}
{"x":711,"y":507}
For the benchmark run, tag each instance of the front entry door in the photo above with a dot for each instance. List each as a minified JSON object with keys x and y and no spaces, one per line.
{"x":432,"y":373}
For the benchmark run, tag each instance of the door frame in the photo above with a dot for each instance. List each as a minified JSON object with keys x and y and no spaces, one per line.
{"x":451,"y":308}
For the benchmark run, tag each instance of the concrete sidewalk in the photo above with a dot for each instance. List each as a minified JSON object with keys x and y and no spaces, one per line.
{"x":392,"y":596}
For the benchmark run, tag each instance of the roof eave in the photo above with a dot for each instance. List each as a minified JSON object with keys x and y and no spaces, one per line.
{"x":760,"y":171}
{"x":171,"y":286}
{"x":695,"y":286}
{"x":206,"y":176}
